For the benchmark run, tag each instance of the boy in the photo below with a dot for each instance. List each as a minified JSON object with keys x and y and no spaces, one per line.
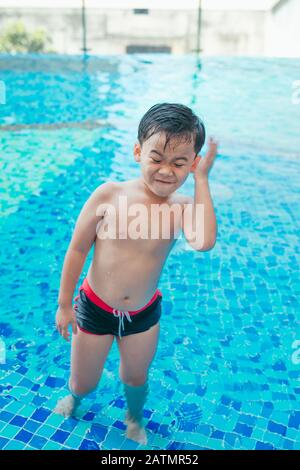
{"x":119,"y":296}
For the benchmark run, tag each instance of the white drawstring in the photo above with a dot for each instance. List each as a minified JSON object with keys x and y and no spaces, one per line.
{"x":121,"y":314}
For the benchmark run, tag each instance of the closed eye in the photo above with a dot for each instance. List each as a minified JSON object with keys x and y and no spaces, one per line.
{"x":178,"y":165}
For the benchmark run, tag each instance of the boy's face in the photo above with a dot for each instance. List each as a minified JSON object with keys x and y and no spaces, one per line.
{"x":165,"y":170}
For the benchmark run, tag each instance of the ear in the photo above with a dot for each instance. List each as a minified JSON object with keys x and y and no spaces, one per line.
{"x":137,"y":152}
{"x":195,"y":163}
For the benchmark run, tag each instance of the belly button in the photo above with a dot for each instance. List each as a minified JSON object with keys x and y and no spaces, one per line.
{"x":126,"y":297}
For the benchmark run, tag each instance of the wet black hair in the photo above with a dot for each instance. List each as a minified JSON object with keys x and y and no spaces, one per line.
{"x":175,"y":120}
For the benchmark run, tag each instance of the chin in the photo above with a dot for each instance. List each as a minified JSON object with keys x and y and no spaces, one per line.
{"x":162,"y":192}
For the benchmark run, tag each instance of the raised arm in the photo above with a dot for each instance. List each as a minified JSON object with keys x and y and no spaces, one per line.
{"x":199,"y":223}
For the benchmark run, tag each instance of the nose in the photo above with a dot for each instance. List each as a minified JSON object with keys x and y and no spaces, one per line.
{"x":165,"y":170}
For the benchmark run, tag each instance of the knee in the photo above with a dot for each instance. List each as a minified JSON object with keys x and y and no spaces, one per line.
{"x":134,"y":380}
{"x":80,"y":389}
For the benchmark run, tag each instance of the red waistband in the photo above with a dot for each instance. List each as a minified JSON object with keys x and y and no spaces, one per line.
{"x":100,"y":303}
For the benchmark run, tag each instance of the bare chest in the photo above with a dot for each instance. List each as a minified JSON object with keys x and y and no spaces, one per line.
{"x":136,"y":221}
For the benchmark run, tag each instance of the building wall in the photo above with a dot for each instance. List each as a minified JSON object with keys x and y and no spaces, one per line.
{"x":283,"y":30}
{"x":233,"y":32}
{"x":113,"y":31}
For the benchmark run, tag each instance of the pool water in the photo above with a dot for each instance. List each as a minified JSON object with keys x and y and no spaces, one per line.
{"x":226,"y":372}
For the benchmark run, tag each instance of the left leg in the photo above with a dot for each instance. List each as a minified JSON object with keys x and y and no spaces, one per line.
{"x":137,"y":352}
{"x":136,"y":355}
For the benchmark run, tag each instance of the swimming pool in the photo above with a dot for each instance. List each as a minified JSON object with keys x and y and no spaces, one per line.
{"x":226,"y":372}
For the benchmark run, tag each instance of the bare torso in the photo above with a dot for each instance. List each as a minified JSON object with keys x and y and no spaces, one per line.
{"x":124,"y":273}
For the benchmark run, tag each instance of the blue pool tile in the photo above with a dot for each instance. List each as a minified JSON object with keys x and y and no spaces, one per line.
{"x":188,"y":426}
{"x":163,"y":430}
{"x":243,"y":429}
{"x":288,"y":444}
{"x":96,"y":407}
{"x":114,"y":440}
{"x":119,"y":425}
{"x":46,"y":431}
{"x":35,"y":388}
{"x":39,"y":400}
{"x":18,"y":421}
{"x":263,"y":446}
{"x":41,"y":415}
{"x":294,"y":421}
{"x":225,"y":400}
{"x":217,"y":434}
{"x":31,"y":425}
{"x":236,"y":405}
{"x":97,"y":432}
{"x":3,"y":402}
{"x":10,"y":431}
{"x":222,"y":410}
{"x":279,"y":365}
{"x":147,"y":414}
{"x":231,"y":438}
{"x":129,"y":444}
{"x":22,"y":370}
{"x":55,"y":382}
{"x":6,"y":416}
{"x":267,"y":409}
{"x":73,"y":442}
{"x":60,"y":436}
{"x":55,"y":420}
{"x":89,"y":445}
{"x":277,"y":428}
{"x":204,"y":429}
{"x":38,"y":442}
{"x":247,"y":419}
{"x":200,"y":391}
{"x":24,"y":436}
{"x":51,"y":445}
{"x":69,"y":424}
{"x":27,"y":411}
{"x":3,"y":442}
{"x":14,"y":445}
{"x":25,"y":383}
{"x":14,"y":407}
{"x":175,"y":446}
{"x":118,"y":402}
{"x":4,"y":388}
{"x":153,"y":426}
{"x":89,"y":416}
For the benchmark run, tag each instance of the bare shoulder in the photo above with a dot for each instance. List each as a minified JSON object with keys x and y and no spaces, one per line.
{"x":183,"y":199}
{"x":107,"y":189}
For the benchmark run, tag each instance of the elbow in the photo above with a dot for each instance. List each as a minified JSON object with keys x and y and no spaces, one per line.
{"x":203,"y":242}
{"x":207,"y":245}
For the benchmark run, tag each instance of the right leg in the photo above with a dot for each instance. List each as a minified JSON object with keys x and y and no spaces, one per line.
{"x":88,"y":356}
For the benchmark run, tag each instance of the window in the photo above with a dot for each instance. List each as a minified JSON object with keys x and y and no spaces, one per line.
{"x":135,"y":48}
{"x":140,"y":11}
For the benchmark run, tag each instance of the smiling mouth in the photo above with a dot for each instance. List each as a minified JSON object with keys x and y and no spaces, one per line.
{"x":164,"y":182}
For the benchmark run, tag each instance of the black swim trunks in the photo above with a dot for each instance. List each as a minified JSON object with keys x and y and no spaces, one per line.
{"x":94,"y":316}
